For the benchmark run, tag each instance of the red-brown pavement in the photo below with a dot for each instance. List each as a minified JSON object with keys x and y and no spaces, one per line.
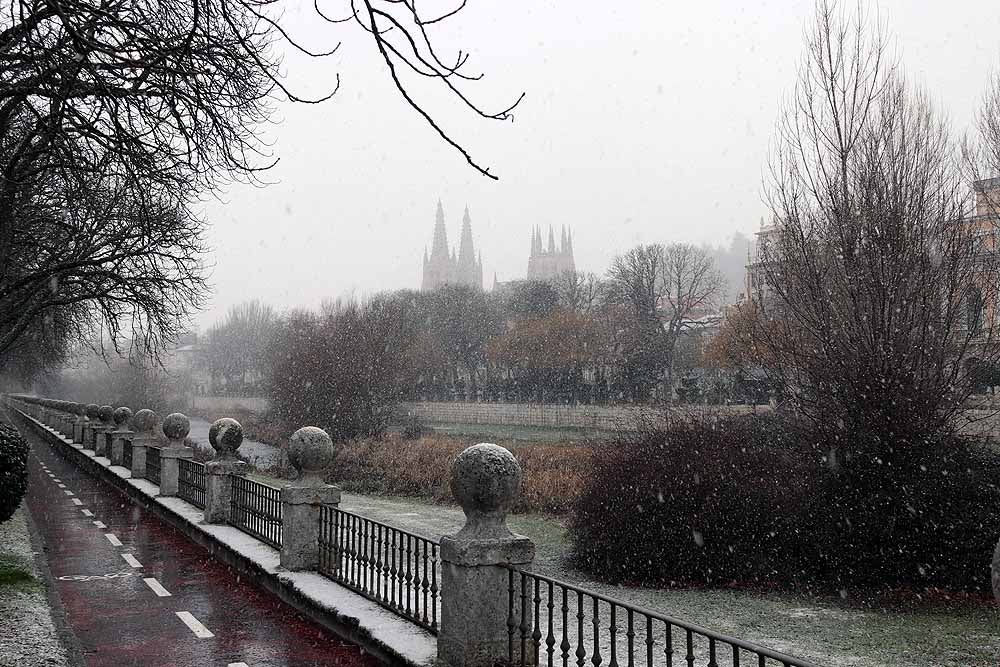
{"x":119,"y":620}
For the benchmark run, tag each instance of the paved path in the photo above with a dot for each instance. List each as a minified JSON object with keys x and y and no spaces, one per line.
{"x":137,"y":592}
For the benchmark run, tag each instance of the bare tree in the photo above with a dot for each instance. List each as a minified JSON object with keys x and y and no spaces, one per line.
{"x":579,"y":292}
{"x":662,"y":287}
{"x":111,"y":254}
{"x":237,"y":348}
{"x":137,"y":108}
{"x":879,"y":287}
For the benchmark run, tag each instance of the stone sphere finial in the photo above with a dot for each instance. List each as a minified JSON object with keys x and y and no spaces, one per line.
{"x":225,"y":435}
{"x":144,"y":421}
{"x":176,"y":426}
{"x":92,"y":410}
{"x":486,"y":482}
{"x":106,"y":413}
{"x":122,"y":415}
{"x":310,"y":452}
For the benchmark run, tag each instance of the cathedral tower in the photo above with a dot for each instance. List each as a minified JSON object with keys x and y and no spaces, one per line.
{"x":443,"y":267}
{"x":548,"y":264}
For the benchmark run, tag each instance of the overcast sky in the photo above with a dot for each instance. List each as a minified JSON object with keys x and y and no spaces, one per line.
{"x":643,"y":121}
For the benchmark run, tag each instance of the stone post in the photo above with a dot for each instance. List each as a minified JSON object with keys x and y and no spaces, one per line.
{"x":66,"y":423}
{"x":486,"y":481}
{"x":310,"y":452}
{"x":176,"y":427}
{"x":121,"y":433}
{"x":79,"y":425}
{"x":90,"y":425}
{"x":143,"y":423}
{"x":106,"y":414}
{"x":225,"y":435}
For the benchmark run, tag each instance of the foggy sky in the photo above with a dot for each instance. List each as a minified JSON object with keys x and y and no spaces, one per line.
{"x":644,"y":121}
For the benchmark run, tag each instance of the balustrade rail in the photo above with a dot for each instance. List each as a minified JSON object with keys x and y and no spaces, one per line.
{"x":127,"y":454}
{"x":255,"y":509}
{"x":153,"y":464}
{"x":191,"y":482}
{"x":572,"y":624}
{"x":396,"y":569}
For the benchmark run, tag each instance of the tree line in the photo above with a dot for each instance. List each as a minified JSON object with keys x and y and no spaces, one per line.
{"x":578,"y":338}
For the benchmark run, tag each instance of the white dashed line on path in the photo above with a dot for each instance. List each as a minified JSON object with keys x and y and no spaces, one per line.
{"x":131,"y":560}
{"x":237,"y":664}
{"x":157,"y":587}
{"x":87,"y":513}
{"x":62,"y":486}
{"x":56,"y":480}
{"x":199,"y":630}
{"x":77,"y":501}
{"x":115,"y":542}
{"x":67,"y":492}
{"x":100,"y":524}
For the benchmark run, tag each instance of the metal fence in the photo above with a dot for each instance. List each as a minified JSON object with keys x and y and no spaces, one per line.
{"x":396,"y":569}
{"x":127,"y":454}
{"x":255,"y":509}
{"x":571,"y":624}
{"x":153,"y":464}
{"x":191,"y":482}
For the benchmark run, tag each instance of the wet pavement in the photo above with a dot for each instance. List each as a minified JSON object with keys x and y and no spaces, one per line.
{"x":137,"y":592}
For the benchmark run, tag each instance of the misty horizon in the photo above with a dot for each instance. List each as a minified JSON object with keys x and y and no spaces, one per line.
{"x":650,"y":125}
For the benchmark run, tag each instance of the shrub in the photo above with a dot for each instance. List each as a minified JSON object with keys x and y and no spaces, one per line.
{"x":693,"y":501}
{"x":553,"y":474}
{"x":13,"y":470}
{"x":342,"y":370}
{"x":932,"y":521}
{"x":760,"y":500}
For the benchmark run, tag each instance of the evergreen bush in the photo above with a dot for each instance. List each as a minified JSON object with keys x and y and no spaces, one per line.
{"x":13,"y":470}
{"x":762,"y":501}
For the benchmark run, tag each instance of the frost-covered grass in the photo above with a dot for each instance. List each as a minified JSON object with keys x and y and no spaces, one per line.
{"x":829,"y":631}
{"x":28,"y":636}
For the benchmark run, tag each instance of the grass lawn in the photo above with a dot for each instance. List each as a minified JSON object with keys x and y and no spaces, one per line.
{"x":827,"y":630}
{"x":28,"y":637}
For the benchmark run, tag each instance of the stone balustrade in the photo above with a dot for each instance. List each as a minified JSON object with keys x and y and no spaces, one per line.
{"x":475,"y":618}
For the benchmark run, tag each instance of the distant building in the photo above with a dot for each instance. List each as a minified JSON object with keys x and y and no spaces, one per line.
{"x":549,"y":263}
{"x":755,"y":283}
{"x":442,"y":267}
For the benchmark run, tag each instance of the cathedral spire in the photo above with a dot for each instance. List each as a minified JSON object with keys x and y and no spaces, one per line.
{"x":466,"y":249}
{"x":439,"y":248}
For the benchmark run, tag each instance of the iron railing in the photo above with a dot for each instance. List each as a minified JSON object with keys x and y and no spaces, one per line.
{"x":153,"y":464}
{"x":572,"y":624}
{"x":191,"y":482}
{"x":127,"y":454}
{"x":255,"y":509}
{"x":396,"y":569}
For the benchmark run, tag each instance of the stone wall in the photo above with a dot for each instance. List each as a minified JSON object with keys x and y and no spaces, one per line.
{"x":599,"y":417}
